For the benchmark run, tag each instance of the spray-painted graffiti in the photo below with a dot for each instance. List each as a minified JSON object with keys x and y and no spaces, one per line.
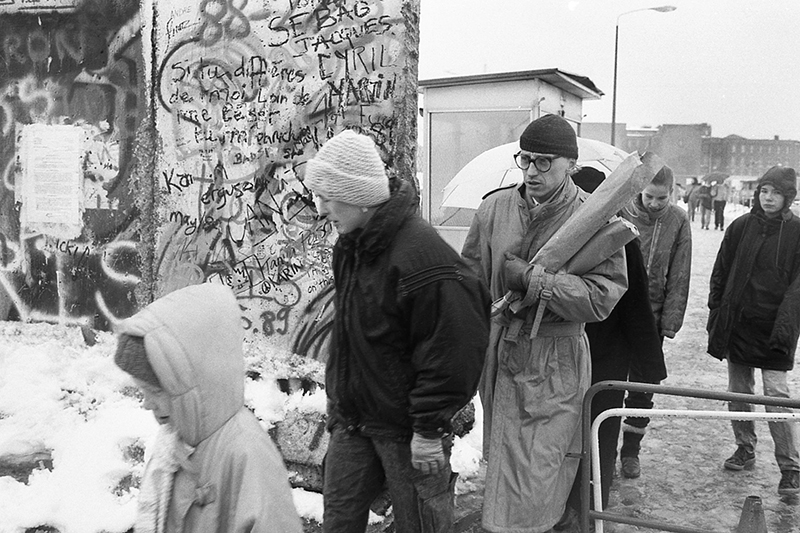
{"x":248,"y":92}
{"x":82,"y":69}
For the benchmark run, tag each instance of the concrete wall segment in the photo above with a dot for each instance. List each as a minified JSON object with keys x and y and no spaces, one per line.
{"x":199,"y":117}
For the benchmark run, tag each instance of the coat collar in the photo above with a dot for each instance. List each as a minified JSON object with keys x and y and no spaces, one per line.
{"x":379,"y":232}
{"x":564,"y":195}
{"x":637,"y":209}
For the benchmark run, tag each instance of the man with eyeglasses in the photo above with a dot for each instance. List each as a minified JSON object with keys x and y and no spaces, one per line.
{"x":534,"y":378}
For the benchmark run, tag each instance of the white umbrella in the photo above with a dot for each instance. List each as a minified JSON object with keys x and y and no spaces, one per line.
{"x":495,"y":168}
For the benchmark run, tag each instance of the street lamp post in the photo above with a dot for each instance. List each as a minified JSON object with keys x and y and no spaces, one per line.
{"x":661,"y":9}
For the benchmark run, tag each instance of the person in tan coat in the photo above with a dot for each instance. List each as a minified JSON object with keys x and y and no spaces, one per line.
{"x":533,"y":382}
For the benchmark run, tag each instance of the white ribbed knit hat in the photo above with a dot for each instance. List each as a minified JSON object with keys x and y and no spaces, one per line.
{"x":349,"y":169}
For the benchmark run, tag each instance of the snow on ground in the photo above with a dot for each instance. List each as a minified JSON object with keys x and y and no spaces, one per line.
{"x":683,"y":482}
{"x":62,"y":399}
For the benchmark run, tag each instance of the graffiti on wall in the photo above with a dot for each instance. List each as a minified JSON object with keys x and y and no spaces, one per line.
{"x":247,"y":93}
{"x":76,"y":68}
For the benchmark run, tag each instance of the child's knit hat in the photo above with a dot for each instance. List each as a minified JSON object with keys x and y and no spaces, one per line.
{"x":132,"y":358}
{"x":349,"y":169}
{"x":784,"y":179}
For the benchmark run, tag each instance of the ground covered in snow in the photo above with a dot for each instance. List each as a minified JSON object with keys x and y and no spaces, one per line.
{"x":66,"y":408}
{"x":74,"y":438}
{"x":67,"y":411}
{"x":683,"y":481}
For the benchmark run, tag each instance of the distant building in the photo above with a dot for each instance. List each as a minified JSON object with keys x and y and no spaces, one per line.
{"x":601,"y":131}
{"x":640,"y":139}
{"x":691,"y":151}
{"x":749,"y":157}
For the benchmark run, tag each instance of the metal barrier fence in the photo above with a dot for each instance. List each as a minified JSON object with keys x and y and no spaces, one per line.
{"x":589,"y":436}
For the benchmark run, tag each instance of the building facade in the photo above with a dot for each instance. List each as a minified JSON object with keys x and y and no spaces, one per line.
{"x":749,"y":157}
{"x":691,"y":151}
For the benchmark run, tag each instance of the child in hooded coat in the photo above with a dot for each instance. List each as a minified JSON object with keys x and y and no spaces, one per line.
{"x":212,"y":467}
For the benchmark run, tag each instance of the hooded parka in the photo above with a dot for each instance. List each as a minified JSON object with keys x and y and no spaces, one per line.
{"x":411,"y":328}
{"x":665,"y":239}
{"x":532,"y":388}
{"x":754,"y":297}
{"x":234,"y":481}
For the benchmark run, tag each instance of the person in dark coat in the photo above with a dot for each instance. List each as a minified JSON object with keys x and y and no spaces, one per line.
{"x":407,"y":348}
{"x":706,"y":205}
{"x":628,"y":338}
{"x":690,"y":197}
{"x":754,"y":317}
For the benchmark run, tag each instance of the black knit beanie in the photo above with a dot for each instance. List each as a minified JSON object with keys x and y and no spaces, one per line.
{"x":550,"y":134}
{"x":132,"y":358}
{"x":784,"y":179}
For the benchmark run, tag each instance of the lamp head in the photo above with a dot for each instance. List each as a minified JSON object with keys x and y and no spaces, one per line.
{"x":664,"y":9}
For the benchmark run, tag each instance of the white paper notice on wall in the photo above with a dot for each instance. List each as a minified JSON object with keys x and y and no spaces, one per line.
{"x":52,"y":179}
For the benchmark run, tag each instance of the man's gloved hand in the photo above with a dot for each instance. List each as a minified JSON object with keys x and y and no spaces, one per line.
{"x":427,"y":455}
{"x":517,"y":273}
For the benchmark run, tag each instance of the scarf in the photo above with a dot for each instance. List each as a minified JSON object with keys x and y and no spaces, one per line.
{"x":169,"y":453}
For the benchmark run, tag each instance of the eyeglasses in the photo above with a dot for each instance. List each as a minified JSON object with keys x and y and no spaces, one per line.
{"x":541,"y":162}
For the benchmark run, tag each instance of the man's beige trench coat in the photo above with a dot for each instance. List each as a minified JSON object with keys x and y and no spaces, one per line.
{"x":532,"y":388}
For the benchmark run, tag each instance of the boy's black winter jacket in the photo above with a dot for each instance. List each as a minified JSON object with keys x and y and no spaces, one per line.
{"x":754,"y":297}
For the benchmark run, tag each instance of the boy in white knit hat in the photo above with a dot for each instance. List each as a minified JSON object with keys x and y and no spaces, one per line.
{"x":408,"y":344}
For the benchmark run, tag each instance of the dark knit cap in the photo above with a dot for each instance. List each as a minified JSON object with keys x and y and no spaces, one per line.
{"x":550,"y":134}
{"x":132,"y":358}
{"x":784,"y":179}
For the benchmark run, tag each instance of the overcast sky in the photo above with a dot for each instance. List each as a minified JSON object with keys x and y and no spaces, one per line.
{"x":734,"y":64}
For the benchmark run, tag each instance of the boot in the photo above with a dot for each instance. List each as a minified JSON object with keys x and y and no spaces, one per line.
{"x":629,"y":454}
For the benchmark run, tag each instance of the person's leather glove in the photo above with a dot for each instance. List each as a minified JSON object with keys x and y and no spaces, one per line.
{"x":517,"y":273}
{"x":427,"y":455}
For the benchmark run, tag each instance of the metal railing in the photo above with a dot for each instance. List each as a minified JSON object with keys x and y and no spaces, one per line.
{"x":590,"y":429}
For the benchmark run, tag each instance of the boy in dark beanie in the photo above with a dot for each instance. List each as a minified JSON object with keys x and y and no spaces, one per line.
{"x":533,"y":383}
{"x":212,"y":467}
{"x":754,"y":317}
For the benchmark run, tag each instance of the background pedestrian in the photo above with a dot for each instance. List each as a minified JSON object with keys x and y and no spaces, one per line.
{"x":666,"y":244}
{"x":719,"y":192}
{"x":690,"y":197}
